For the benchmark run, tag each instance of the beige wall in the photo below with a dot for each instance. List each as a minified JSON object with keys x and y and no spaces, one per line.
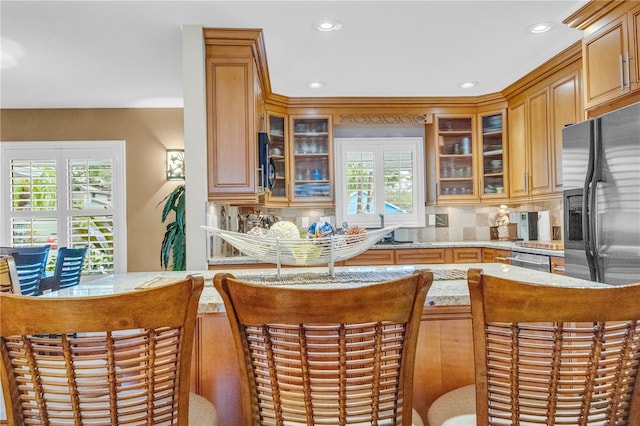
{"x":147,"y":132}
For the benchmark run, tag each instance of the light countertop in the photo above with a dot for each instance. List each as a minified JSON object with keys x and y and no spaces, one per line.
{"x":447,"y":290}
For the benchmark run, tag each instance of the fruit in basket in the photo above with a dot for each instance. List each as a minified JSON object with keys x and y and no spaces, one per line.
{"x":320,"y":230}
{"x":284,"y":229}
{"x":355,"y":234}
{"x":305,"y":251}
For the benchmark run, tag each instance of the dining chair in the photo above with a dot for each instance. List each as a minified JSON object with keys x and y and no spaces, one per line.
{"x":68,"y":269}
{"x":549,"y":355}
{"x":9,"y":281}
{"x":30,"y":270}
{"x":119,"y":359}
{"x":326,"y":356}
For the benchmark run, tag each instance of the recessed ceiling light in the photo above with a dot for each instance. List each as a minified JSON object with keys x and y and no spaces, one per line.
{"x":541,"y":27}
{"x":328,"y":25}
{"x":468,"y":84}
{"x":316,"y":84}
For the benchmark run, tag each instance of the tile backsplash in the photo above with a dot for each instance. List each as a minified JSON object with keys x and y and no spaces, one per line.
{"x":472,"y":223}
{"x":444,"y":223}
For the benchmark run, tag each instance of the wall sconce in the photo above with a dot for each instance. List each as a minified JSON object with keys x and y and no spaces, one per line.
{"x":175,"y":164}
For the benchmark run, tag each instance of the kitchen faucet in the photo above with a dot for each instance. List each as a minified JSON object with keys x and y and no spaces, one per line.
{"x":391,"y":236}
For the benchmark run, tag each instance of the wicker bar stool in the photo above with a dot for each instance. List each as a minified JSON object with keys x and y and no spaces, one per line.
{"x":549,"y":355}
{"x":326,"y":356}
{"x":120,"y":359}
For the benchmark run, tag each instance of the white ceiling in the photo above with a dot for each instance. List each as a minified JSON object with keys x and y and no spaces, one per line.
{"x":86,"y":54}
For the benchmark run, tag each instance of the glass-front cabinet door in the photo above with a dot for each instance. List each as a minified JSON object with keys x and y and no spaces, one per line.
{"x":493,"y":183}
{"x":311,"y":169}
{"x":455,"y":157}
{"x":278,"y":156}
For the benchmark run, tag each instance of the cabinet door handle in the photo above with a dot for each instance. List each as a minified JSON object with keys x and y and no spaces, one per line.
{"x":628,"y":67}
{"x":621,"y":74}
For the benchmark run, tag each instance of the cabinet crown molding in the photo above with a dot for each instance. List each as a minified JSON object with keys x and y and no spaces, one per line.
{"x":385,"y":118}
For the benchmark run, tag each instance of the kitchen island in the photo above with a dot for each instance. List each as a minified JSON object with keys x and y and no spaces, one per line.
{"x":444,"y":358}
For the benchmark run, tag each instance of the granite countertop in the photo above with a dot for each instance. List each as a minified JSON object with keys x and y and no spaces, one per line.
{"x":505,"y":245}
{"x":449,"y":287}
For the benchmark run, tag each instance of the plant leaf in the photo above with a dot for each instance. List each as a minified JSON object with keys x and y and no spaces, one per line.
{"x":174,"y":242}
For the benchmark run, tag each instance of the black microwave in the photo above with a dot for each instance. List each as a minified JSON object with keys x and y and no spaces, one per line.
{"x":266,"y":168}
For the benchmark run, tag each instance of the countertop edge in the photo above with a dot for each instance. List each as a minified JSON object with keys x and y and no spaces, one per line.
{"x":443,"y":292}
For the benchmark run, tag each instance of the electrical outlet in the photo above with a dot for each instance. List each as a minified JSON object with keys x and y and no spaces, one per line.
{"x":304,"y":222}
{"x":432,"y":219}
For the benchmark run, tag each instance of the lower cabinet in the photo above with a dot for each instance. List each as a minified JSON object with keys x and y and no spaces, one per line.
{"x":371,"y":257}
{"x":435,"y":256}
{"x":467,"y":255}
{"x":557,"y":265}
{"x":413,"y":256}
{"x":491,"y":255}
{"x":444,"y":360}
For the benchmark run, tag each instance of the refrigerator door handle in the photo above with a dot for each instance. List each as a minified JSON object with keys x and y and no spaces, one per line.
{"x":593,"y":201}
{"x":586,"y":204}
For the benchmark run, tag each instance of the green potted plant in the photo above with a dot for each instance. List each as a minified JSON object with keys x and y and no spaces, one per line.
{"x":174,"y":242}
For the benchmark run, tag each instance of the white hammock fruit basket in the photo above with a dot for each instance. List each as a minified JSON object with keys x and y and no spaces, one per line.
{"x":302,"y":251}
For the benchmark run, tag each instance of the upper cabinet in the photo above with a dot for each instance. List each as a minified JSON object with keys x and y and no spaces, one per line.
{"x":234,"y":102}
{"x":529,"y":168}
{"x":536,"y":118}
{"x":493,"y":164}
{"x":279,"y":158}
{"x":455,"y":158}
{"x":610,"y":51}
{"x":566,"y":108}
{"x":311,"y":153}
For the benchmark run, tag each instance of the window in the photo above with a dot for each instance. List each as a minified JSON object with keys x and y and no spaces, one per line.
{"x":380,"y":176}
{"x":66,"y":194}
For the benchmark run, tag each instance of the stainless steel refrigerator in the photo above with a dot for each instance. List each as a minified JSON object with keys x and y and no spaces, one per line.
{"x":601,"y":176}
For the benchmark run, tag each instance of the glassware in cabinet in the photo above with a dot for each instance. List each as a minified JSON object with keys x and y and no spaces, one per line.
{"x":278,"y":155}
{"x":455,"y":156}
{"x":493,"y":166}
{"x":311,"y":165}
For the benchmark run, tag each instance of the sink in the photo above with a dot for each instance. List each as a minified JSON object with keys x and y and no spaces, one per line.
{"x":392,"y":243}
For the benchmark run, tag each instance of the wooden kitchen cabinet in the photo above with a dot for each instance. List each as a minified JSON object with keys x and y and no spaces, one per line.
{"x":493,"y":164}
{"x":502,"y":256}
{"x":518,"y":170}
{"x":536,"y":119}
{"x":529,"y":165}
{"x":606,"y":63}
{"x":610,"y":50}
{"x":557,"y":265}
{"x":311,"y":153}
{"x":493,"y":255}
{"x":456,"y":178}
{"x":233,"y":101}
{"x":371,"y":257}
{"x":467,"y":255}
{"x":279,"y":156}
{"x":566,"y":108}
{"x":422,"y":255}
